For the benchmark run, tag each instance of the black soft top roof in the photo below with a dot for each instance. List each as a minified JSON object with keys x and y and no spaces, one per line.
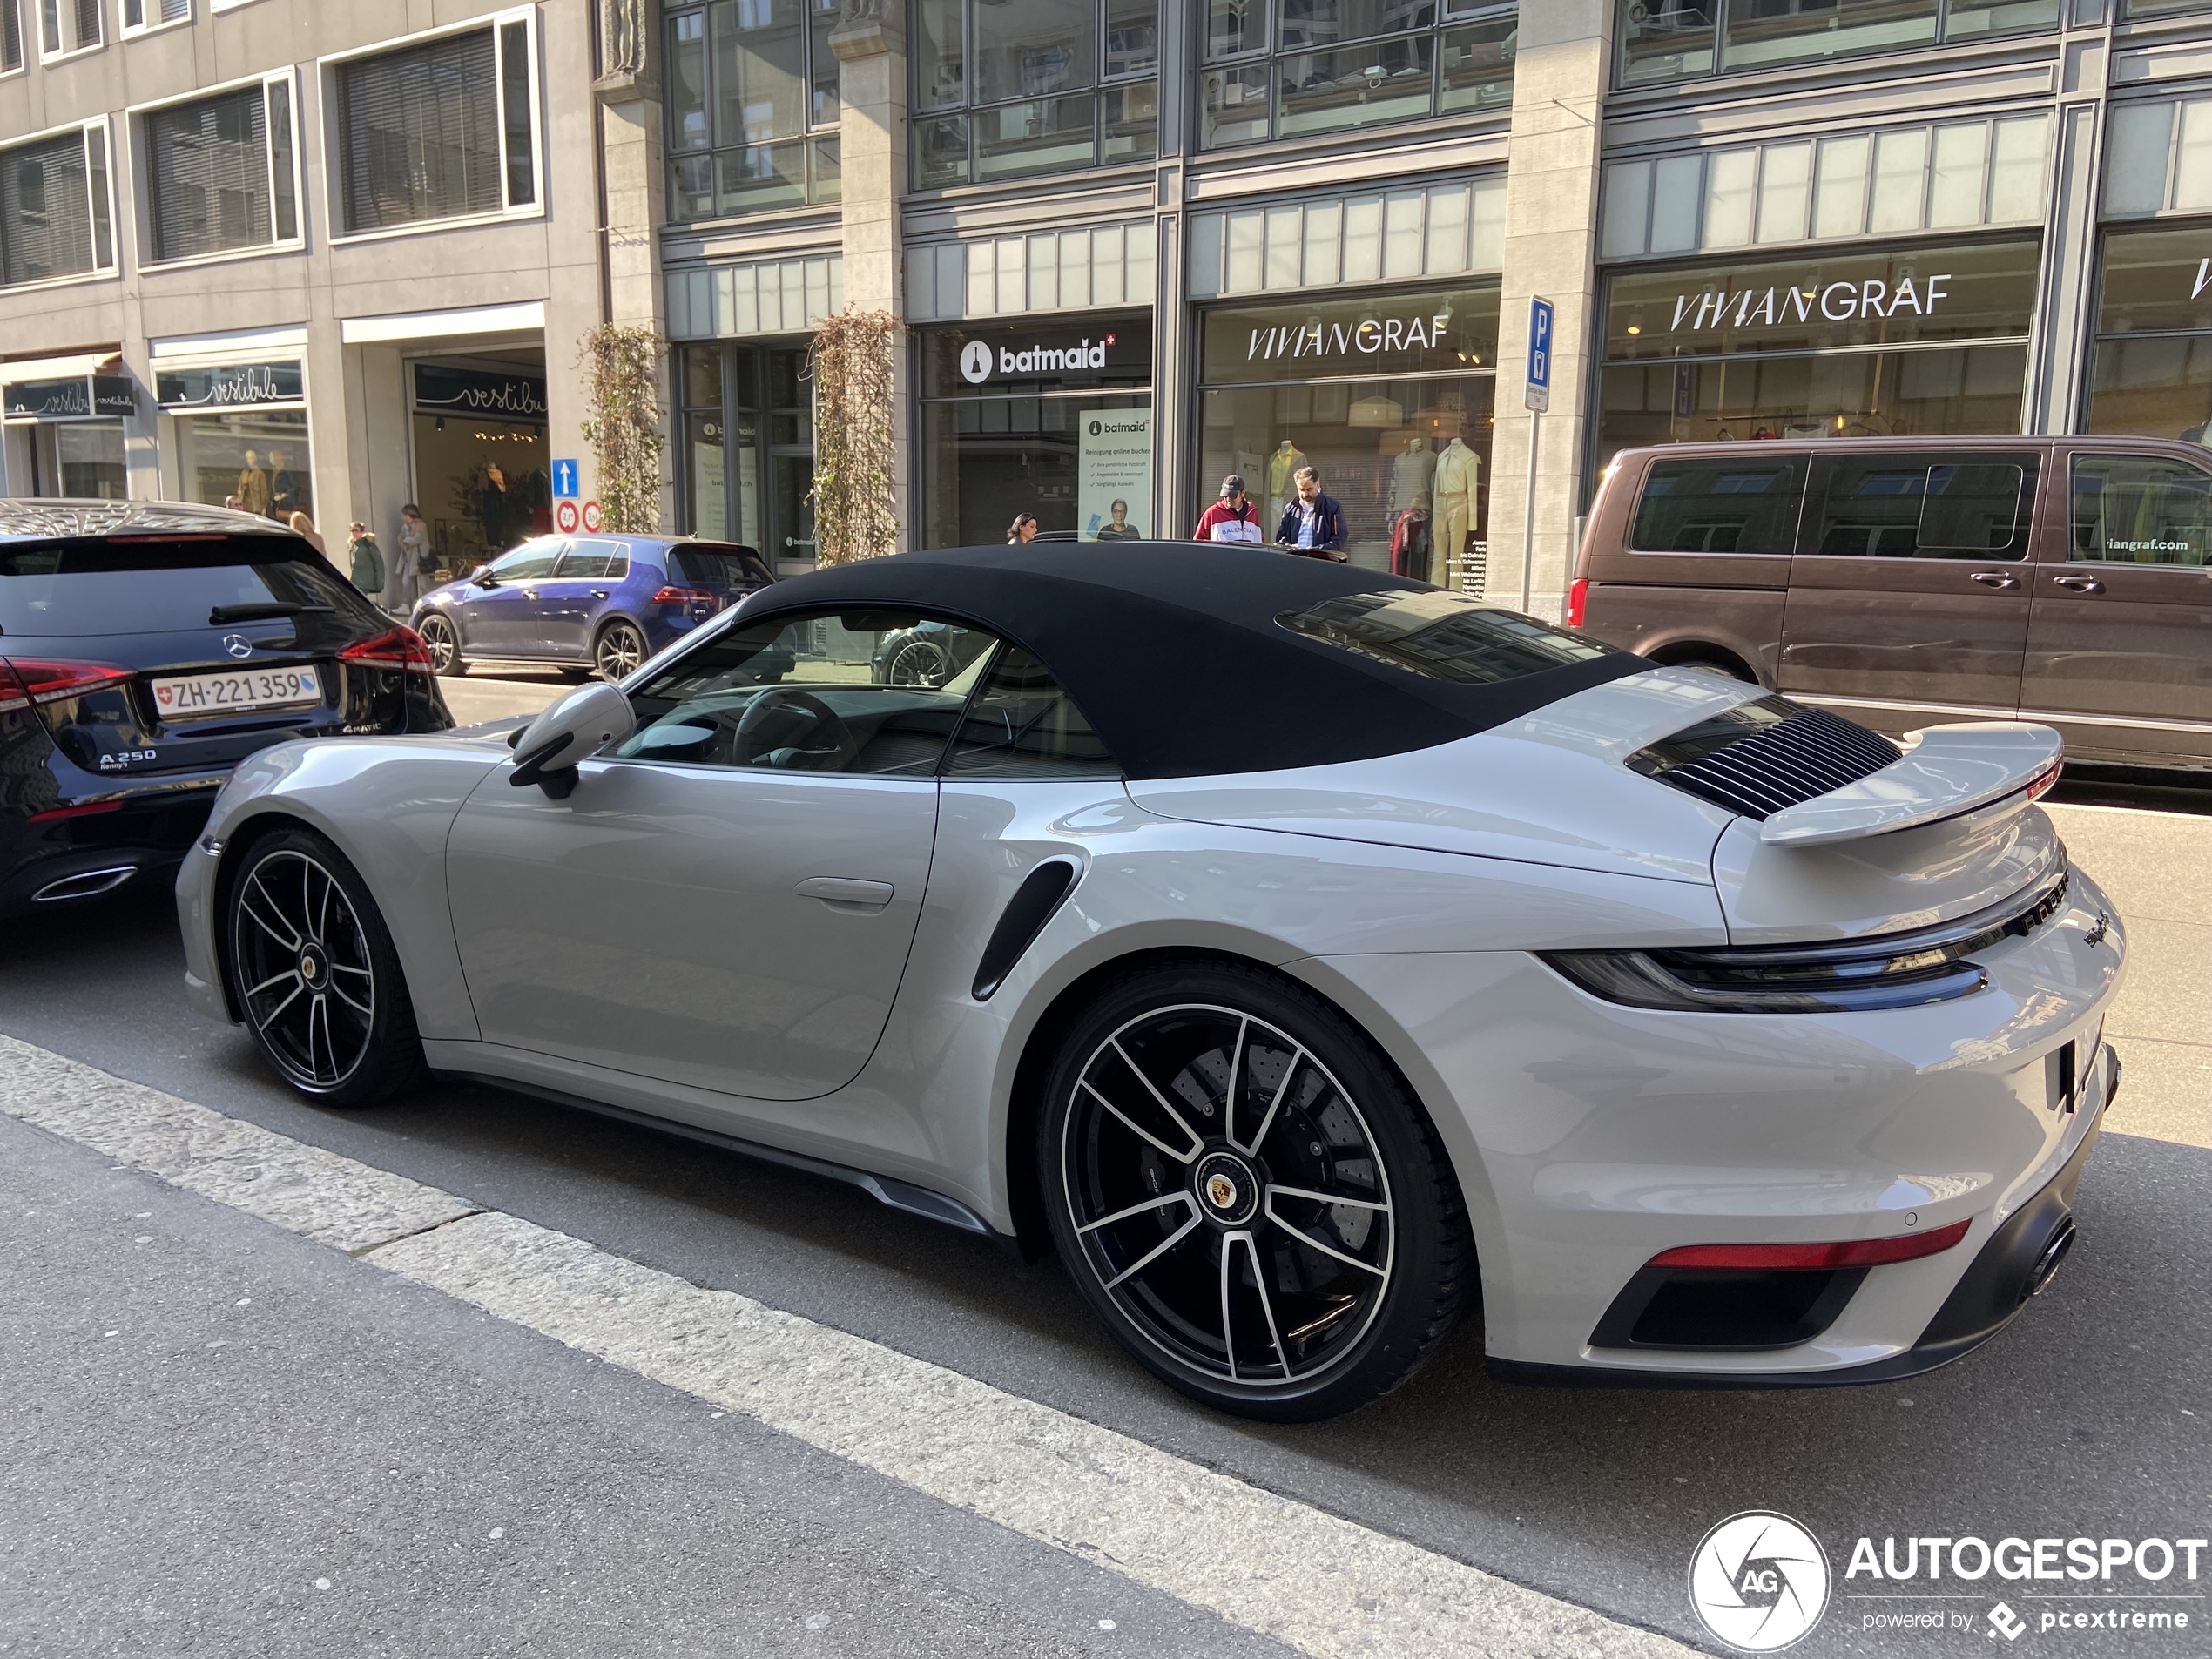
{"x":1172,"y":650}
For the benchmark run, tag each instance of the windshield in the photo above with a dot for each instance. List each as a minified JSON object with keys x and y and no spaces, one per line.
{"x":158,"y":587}
{"x":1442,"y":636}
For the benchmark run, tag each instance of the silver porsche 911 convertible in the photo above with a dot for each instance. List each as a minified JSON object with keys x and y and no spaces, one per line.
{"x":1300,"y":952}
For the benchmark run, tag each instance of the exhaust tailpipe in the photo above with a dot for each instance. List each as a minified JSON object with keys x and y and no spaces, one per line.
{"x":86,"y":884}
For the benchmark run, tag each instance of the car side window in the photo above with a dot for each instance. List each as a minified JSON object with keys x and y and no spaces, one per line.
{"x":1919,"y":505}
{"x":1023,"y":724}
{"x":2138,"y":509}
{"x":591,"y":556}
{"x":871,"y":691}
{"x":528,"y":562}
{"x":1731,"y":506}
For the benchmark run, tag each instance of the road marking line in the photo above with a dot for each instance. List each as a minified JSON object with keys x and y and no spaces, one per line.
{"x":1324,"y":1584}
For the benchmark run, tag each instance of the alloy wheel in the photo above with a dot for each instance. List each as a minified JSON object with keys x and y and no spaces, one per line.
{"x":305,"y":975}
{"x":1229,"y":1194}
{"x":919,"y":662}
{"x":438,"y":638}
{"x":620,"y":650}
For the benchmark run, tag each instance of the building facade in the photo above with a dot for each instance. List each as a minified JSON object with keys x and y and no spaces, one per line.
{"x":1134,"y":247}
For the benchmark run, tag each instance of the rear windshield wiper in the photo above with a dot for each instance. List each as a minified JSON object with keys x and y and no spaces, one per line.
{"x":261,"y":612}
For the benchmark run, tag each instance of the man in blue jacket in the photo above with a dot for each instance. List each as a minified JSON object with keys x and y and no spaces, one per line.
{"x":1312,"y":524}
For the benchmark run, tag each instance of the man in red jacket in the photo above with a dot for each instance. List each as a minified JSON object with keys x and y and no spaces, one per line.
{"x":1235,"y":517}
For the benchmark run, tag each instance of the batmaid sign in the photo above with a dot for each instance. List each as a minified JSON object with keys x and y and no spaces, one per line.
{"x":1837,"y":302}
{"x":1366,"y":337}
{"x":975,"y":358}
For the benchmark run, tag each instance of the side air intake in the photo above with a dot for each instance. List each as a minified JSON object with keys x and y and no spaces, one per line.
{"x":1762,"y":757}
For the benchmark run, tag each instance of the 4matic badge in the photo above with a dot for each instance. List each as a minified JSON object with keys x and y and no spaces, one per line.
{"x":1759,"y":1582}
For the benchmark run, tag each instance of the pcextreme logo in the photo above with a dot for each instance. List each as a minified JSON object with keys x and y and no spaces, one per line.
{"x":1759,"y":1582}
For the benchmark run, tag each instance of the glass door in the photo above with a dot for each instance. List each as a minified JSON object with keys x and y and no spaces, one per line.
{"x":748,"y":449}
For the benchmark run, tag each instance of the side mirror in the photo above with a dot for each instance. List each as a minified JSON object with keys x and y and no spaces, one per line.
{"x":481,"y":578}
{"x":581,"y":724}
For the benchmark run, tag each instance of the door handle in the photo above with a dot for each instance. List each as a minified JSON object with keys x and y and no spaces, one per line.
{"x":598,"y":593}
{"x":529,"y":593}
{"x":2078,"y":584}
{"x":1996,"y":578}
{"x":846,"y":892}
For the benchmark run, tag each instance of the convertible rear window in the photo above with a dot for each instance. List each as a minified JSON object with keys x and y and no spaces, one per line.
{"x":84,"y":588}
{"x":1442,"y":636}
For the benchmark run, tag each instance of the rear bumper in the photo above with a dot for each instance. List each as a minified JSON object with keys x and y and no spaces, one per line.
{"x":2005,"y":1276}
{"x":67,"y":855}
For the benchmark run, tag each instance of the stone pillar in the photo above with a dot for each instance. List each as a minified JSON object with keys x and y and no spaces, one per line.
{"x":628,"y":127}
{"x":870,"y":43}
{"x":1559,"y":79}
{"x":2059,"y":369}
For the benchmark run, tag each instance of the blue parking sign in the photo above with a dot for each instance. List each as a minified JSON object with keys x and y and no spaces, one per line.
{"x":1539,"y":393}
{"x":565,"y":481}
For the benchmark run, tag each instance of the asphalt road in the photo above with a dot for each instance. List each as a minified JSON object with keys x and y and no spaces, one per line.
{"x":2090,"y":1417}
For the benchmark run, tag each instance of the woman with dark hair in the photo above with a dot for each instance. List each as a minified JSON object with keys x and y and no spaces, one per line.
{"x":1024,"y":528}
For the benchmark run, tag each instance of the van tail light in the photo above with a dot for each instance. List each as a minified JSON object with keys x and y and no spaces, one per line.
{"x":675,"y":595}
{"x":1863,"y":1252}
{"x":402,"y":648}
{"x":25,"y":681}
{"x":1578,"y":596}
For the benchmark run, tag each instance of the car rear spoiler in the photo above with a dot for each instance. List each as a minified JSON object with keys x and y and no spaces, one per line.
{"x":1947,"y":772}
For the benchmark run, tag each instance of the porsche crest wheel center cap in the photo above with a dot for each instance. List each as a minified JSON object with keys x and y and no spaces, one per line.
{"x":311,"y":967}
{"x":1228,"y":1189}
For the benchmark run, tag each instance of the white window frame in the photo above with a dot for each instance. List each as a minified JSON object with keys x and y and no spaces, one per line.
{"x":150,"y":23}
{"x":142,"y":168}
{"x":333,"y":158}
{"x":25,"y":39}
{"x":64,"y":15}
{"x":113,"y":268}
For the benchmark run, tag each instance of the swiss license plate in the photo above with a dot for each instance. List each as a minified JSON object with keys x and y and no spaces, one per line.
{"x":200,"y":697}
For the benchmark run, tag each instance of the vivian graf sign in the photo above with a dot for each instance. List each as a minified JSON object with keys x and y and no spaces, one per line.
{"x":1322,"y":339}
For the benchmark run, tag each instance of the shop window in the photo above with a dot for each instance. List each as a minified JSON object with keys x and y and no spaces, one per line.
{"x":140,"y":16}
{"x":438,"y":131}
{"x":1810,"y":346}
{"x":68,"y":26}
{"x":752,"y":107}
{"x":220,"y":172}
{"x":2129,"y":510}
{"x":1053,"y":420}
{"x":257,"y":460}
{"x":2151,"y":373}
{"x":1388,"y":396}
{"x":1304,"y":67}
{"x":1006,"y":89}
{"x":79,"y":458}
{"x":56,"y":214}
{"x":1672,"y":40}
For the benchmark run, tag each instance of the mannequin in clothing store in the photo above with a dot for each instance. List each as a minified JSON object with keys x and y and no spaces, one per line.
{"x":1282,"y":468}
{"x":1458,"y":477}
{"x":1412,"y":475}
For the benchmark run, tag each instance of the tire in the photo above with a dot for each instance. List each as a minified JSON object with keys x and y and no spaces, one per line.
{"x":445,"y":646}
{"x":618,"y":650}
{"x":1163,"y":1215}
{"x":1713,"y":666}
{"x":297,"y":917}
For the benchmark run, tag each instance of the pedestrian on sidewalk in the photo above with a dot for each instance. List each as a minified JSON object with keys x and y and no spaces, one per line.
{"x":364,"y":559}
{"x":1024,"y":528}
{"x":1312,"y":524}
{"x":1235,"y":517}
{"x":305,"y":527}
{"x":417,"y":560}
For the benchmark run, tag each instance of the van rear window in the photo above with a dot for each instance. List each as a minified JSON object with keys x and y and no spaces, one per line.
{"x":1736,"y":504}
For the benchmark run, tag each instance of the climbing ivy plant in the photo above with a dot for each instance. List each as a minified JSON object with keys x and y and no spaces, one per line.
{"x":621,"y":384}
{"x":856,"y":513}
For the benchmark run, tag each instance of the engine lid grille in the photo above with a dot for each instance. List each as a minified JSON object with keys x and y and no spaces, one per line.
{"x":1762,"y":756}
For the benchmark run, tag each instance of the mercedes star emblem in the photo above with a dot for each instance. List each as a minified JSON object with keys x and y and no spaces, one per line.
{"x":238,"y":644}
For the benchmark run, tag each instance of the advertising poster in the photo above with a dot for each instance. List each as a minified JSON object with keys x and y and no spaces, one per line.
{"x":1115,"y":465}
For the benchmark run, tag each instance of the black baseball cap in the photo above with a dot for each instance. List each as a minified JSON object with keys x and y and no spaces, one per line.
{"x":1232,"y":485}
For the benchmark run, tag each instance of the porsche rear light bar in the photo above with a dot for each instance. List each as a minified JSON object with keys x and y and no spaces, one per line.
{"x":1862,"y":1252}
{"x":401,"y":648}
{"x":25,"y":681}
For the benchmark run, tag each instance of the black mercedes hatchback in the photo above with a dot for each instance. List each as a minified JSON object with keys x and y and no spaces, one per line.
{"x":145,"y":649}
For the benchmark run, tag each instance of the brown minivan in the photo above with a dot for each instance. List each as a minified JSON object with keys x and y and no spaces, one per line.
{"x":1911,"y":581}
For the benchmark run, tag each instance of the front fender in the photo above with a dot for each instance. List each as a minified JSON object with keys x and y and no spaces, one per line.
{"x":388,"y":805}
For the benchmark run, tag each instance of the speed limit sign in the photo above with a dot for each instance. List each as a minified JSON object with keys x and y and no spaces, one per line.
{"x":591,"y":517}
{"x":565,"y":517}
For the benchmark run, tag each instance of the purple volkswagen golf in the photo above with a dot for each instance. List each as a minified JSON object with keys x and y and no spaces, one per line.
{"x":595,"y":603}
